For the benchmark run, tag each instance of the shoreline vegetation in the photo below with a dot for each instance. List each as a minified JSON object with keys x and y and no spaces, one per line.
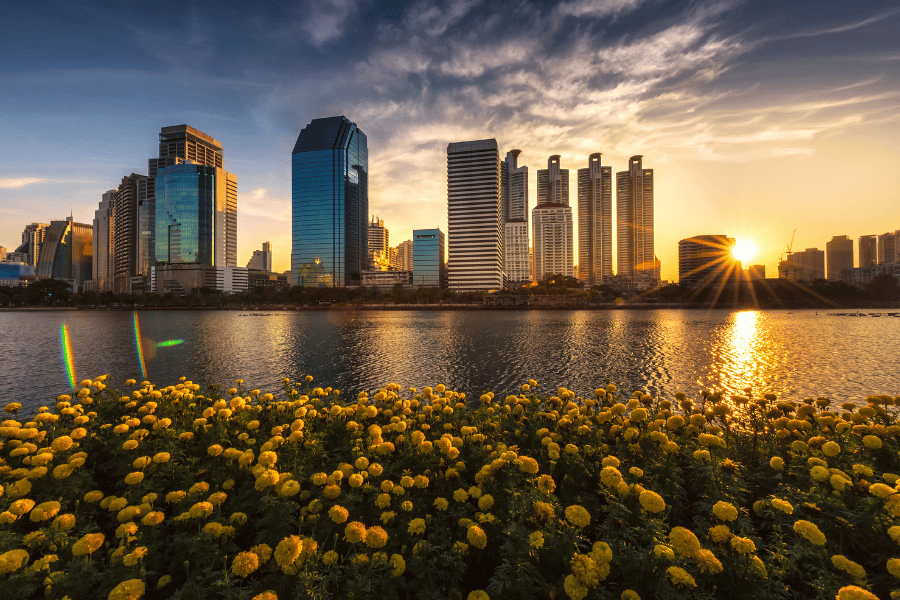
{"x":183,"y":492}
{"x":559,"y":292}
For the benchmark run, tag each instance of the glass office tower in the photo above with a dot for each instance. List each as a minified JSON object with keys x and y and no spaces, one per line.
{"x":330,"y":204}
{"x":429,"y":265}
{"x":196,"y":215}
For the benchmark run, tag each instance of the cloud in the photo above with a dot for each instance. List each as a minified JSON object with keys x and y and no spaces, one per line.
{"x":259,"y":203}
{"x":17,"y":182}
{"x":325,"y":20}
{"x":598,"y":8}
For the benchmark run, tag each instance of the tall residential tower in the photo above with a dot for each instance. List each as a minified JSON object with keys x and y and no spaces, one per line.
{"x":514,"y":201}
{"x":595,"y":250}
{"x":330,"y":204}
{"x":553,"y":242}
{"x":637,"y":263}
{"x":474,"y":216}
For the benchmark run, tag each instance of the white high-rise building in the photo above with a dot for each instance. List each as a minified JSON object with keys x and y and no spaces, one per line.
{"x":637,"y":264}
{"x":405,"y":256}
{"x":379,"y":244}
{"x":103,"y":267}
{"x":261,"y":259}
{"x":514,"y":194}
{"x":595,"y":249}
{"x":474,"y":219}
{"x":553,"y":231}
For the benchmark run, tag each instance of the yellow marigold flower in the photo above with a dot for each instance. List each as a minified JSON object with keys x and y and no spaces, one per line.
{"x":485,"y":502}
{"x":130,"y":445}
{"x":244,"y":564}
{"x":263,"y":551}
{"x":880,"y":490}
{"x":133,"y":557}
{"x":375,"y":470}
{"x":701,"y":455}
{"x":63,"y":522}
{"x":630,"y":595}
{"x":201,"y":487}
{"x":783,"y":505}
{"x":176,"y":496}
{"x":872,"y":442}
{"x":94,"y":496}
{"x":376,"y":537}
{"x":153,"y":518}
{"x":854,"y":569}
{"x":831,"y":448}
{"x":536,"y":540}
{"x":88,"y":544}
{"x":131,"y":589}
{"x":460,"y":495}
{"x":163,"y":581}
{"x":161,"y":457}
{"x":290,"y":488}
{"x":441,"y":504}
{"x":126,"y":530}
{"x":44,"y":511}
{"x":544,"y":511}
{"x":387,"y":516}
{"x":574,"y":588}
{"x":476,"y":536}
{"x":725,"y":511}
{"x":288,"y":550}
{"x":610,"y":476}
{"x":355,"y":532}
{"x":684,"y":541}
{"x":141,"y":462}
{"x":743,"y":545}
{"x":62,"y":471}
{"x":355,"y":480}
{"x":651,"y":501}
{"x":268,"y":458}
{"x":820,"y":473}
{"x":268,"y":594}
{"x":528,"y":465}
{"x":21,"y":507}
{"x":893,"y":567}
{"x":720,"y":534}
{"x":338,"y":514}
{"x":661,"y":551}
{"x":810,"y":531}
{"x":134,"y":478}
{"x":62,"y":443}
{"x":399,"y":565}
{"x":478,"y":595}
{"x":43,"y":563}
{"x":777,"y":463}
{"x":585,"y":569}
{"x":201,"y":510}
{"x":331,"y":491}
{"x":578,"y":516}
{"x":214,"y":450}
{"x":19,"y":488}
{"x":680,"y":578}
{"x":852,"y":592}
{"x":267,"y":478}
{"x":546,"y":484}
{"x":416,"y":526}
{"x":708,"y":562}
{"x":239,"y":518}
{"x":12,"y":561}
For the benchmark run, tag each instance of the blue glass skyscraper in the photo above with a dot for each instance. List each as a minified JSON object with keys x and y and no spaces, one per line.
{"x":330,"y":204}
{"x":429,"y":265}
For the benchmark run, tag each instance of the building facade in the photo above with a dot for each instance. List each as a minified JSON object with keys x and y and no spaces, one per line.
{"x":404,"y":253}
{"x":889,"y":248}
{"x":634,"y":223}
{"x":129,"y":199}
{"x":261,"y":259}
{"x":474,"y":216}
{"x":429,"y":264}
{"x":552,"y":222}
{"x":186,"y":278}
{"x":103,"y":258}
{"x":706,"y":261}
{"x":868,"y":250}
{"x":330,"y":204}
{"x":514,"y":208}
{"x":67,"y":253}
{"x":595,"y":247}
{"x":178,"y":144}
{"x":838,"y":256}
{"x":32,"y":238}
{"x":379,"y":245}
{"x":808,"y":266}
{"x":196,"y":216}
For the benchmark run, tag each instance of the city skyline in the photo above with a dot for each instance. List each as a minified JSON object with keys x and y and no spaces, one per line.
{"x":743,"y":137}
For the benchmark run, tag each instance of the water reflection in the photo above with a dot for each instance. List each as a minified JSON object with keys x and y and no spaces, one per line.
{"x":796,"y":355}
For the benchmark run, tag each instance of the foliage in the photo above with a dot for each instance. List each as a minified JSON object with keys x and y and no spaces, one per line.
{"x":170,"y":492}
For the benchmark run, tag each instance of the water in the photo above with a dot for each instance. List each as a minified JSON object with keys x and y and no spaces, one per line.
{"x":793,"y":354}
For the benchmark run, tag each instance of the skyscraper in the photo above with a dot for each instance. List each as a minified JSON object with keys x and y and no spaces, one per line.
{"x":429,"y":266}
{"x":868,"y":250}
{"x":595,"y":249}
{"x":379,"y":244}
{"x":838,"y":256}
{"x":129,"y":199}
{"x":889,"y":248}
{"x":553,"y":239}
{"x":405,"y":256}
{"x":706,"y":261}
{"x":514,"y":202}
{"x":634,"y":215}
{"x":67,"y":252}
{"x":808,"y":265}
{"x":330,"y":204}
{"x":196,"y":216}
{"x":474,"y":219}
{"x":103,"y":258}
{"x":177,"y":144}
{"x":261,"y":259}
{"x":32,"y":238}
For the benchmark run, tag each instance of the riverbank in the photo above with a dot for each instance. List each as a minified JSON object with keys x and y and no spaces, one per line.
{"x":178,"y":490}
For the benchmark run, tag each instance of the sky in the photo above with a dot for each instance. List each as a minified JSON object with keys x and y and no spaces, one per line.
{"x":757,"y":118}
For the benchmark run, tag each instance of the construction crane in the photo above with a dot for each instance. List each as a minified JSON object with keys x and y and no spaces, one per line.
{"x":789,"y":246}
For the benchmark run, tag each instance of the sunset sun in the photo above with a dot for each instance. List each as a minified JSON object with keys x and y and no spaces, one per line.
{"x":743,"y":250}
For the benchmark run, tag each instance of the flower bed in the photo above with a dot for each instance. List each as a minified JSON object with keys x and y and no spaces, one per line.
{"x":187,"y":493}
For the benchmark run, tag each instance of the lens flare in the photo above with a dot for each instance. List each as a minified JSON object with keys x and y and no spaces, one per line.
{"x":68,"y":362}
{"x":139,"y":346}
{"x":743,"y":250}
{"x":168,"y":343}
